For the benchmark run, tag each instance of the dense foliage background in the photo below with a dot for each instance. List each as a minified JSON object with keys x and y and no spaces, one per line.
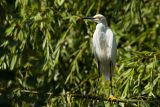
{"x":45,"y":52}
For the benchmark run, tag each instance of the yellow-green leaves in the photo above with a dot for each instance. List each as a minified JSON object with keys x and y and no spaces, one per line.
{"x":47,"y":47}
{"x":59,"y":2}
{"x":10,"y":29}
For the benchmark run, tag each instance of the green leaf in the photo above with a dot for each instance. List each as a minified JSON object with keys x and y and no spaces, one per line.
{"x":13,"y":62}
{"x":10,"y":29}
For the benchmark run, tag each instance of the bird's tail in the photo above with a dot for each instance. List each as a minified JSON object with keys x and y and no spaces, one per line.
{"x":107,"y":75}
{"x":107,"y":71}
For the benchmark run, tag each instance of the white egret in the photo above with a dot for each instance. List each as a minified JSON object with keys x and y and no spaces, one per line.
{"x":104,"y":47}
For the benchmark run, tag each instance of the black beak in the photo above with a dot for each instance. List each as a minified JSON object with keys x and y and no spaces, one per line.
{"x":89,"y":18}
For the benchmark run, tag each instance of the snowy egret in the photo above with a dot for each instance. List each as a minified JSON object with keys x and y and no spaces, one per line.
{"x":104,"y":47}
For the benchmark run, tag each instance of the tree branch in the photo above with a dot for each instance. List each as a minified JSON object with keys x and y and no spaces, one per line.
{"x":99,"y":97}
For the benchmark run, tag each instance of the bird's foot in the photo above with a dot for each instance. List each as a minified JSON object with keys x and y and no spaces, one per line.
{"x":112,"y":98}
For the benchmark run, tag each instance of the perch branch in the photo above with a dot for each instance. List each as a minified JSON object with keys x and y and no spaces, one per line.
{"x":99,"y":97}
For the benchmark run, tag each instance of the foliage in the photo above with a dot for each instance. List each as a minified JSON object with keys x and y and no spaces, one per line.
{"x":45,"y":48}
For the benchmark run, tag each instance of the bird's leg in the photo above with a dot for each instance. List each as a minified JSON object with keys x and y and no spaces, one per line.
{"x":111,"y":97}
{"x":111,"y":90}
{"x":99,"y":74}
{"x":110,"y":83}
{"x":99,"y":71}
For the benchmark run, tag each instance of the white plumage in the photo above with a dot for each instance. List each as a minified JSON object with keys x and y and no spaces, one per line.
{"x":104,"y":47}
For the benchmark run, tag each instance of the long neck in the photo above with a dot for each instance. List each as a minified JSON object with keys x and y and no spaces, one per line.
{"x":103,"y":21}
{"x":101,"y":27}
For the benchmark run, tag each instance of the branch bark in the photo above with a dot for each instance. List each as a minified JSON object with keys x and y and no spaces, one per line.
{"x":99,"y":97}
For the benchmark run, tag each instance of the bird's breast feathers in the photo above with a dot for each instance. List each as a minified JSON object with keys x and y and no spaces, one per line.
{"x":103,"y":43}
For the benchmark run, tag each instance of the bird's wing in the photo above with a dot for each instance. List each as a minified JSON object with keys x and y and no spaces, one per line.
{"x":95,"y":54}
{"x":112,"y":45}
{"x":96,"y":57}
{"x":95,"y":35}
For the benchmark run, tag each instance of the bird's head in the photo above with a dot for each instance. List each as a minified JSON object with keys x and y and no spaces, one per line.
{"x":98,"y":18}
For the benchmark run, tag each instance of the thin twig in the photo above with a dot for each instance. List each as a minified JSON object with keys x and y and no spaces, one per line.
{"x":34,"y":92}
